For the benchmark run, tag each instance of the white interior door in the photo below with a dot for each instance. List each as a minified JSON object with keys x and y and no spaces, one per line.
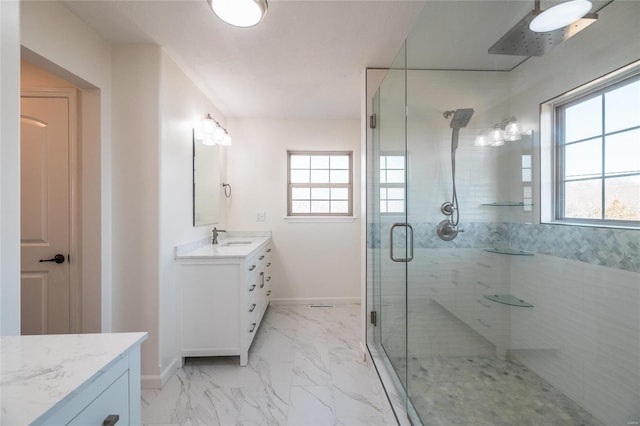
{"x":45,"y":215}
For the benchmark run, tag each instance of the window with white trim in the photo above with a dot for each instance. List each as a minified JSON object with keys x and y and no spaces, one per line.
{"x":392,"y":185}
{"x":320,"y":183}
{"x":597,"y":155}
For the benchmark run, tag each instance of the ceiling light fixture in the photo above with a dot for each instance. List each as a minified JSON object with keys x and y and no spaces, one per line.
{"x":239,"y":13}
{"x":560,"y":16}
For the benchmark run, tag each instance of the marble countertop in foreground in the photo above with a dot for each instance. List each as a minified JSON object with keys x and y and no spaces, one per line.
{"x":40,"y":372}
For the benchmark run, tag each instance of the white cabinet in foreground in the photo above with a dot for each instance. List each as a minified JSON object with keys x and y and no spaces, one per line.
{"x":222,"y":299}
{"x":71,"y":379}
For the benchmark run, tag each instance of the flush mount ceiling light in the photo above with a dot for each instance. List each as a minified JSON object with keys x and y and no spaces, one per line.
{"x":560,"y":16}
{"x":239,"y":13}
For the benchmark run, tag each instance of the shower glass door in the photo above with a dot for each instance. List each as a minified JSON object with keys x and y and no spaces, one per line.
{"x":389,"y":234}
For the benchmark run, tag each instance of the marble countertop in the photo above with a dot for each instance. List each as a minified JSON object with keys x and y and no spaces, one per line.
{"x":233,"y":245}
{"x":39,"y":373}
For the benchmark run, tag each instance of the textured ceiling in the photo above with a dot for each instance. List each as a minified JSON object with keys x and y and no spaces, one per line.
{"x":305,"y":59}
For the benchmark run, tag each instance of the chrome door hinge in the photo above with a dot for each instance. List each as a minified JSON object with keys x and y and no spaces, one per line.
{"x":372,"y":121}
{"x":374,"y":318}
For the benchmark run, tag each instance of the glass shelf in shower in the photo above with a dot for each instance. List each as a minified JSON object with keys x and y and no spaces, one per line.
{"x":507,"y":299}
{"x":509,"y":251}
{"x":507,"y":204}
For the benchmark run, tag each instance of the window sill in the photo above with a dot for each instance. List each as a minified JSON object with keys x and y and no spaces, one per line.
{"x":635,"y":226}
{"x":320,"y":219}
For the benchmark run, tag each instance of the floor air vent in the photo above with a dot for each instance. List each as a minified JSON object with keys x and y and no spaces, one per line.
{"x":321,"y":305}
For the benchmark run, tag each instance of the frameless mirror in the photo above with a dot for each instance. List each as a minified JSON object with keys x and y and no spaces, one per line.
{"x":206,"y":183}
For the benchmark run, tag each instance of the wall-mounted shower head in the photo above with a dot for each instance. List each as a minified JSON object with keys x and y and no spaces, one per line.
{"x":461,"y":117}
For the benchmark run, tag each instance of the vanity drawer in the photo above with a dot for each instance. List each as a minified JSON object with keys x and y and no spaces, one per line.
{"x":110,"y":407}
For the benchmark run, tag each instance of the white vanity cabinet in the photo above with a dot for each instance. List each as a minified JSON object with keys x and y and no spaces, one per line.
{"x":223,"y":295}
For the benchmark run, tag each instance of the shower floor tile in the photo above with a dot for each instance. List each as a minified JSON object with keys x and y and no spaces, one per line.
{"x":485,"y":390}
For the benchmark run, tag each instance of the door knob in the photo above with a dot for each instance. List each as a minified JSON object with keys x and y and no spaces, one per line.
{"x":58,"y":258}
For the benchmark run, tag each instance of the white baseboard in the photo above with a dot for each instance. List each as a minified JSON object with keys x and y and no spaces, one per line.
{"x":158,"y":381}
{"x":316,"y":301}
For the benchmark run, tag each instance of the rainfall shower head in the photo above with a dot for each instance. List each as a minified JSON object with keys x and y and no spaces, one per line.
{"x":520,"y":40}
{"x":460,"y":118}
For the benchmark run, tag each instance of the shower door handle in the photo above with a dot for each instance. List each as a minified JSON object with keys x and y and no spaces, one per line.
{"x":409,"y":246}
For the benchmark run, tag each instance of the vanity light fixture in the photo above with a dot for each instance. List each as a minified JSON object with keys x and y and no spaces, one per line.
{"x":559,"y":16}
{"x":211,"y":132}
{"x":508,"y":130}
{"x":239,"y":13}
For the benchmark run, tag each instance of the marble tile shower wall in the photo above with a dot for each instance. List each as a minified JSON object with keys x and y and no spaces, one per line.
{"x":615,"y":248}
{"x":475,"y":235}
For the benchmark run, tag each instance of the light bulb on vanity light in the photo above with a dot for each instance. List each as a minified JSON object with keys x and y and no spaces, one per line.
{"x":482,"y":139}
{"x":208,"y":125}
{"x":218,"y":134}
{"x":513,"y":131}
{"x":226,"y":139}
{"x":496,"y":137}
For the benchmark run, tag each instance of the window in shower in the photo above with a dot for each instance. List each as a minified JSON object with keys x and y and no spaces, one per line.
{"x":598,"y":155}
{"x":320,"y":183}
{"x":392,"y":180}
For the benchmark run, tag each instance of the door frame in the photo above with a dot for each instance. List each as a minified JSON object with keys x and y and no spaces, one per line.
{"x":75,"y":217}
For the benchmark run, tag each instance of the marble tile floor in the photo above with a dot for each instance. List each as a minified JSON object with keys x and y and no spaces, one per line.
{"x":305,"y":368}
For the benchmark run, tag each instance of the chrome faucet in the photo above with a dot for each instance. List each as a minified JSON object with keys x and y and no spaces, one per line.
{"x":214,"y":235}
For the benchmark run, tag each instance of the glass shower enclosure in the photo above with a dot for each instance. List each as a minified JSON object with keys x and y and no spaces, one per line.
{"x":495,"y":324}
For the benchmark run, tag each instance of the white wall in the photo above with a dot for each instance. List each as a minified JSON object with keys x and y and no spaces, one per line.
{"x":59,"y":42}
{"x":313,"y":261}
{"x":10,"y":168}
{"x":135,"y":175}
{"x":183,"y":105}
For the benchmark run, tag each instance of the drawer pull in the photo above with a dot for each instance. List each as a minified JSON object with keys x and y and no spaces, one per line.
{"x":253,"y":327}
{"x":252,"y":267}
{"x":261,"y":279}
{"x":262,"y":257}
{"x":253,"y":306}
{"x":268,"y":250}
{"x":268,"y":278}
{"x":269,"y":293}
{"x":252,"y":287}
{"x":111,"y":420}
{"x":268,"y":264}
